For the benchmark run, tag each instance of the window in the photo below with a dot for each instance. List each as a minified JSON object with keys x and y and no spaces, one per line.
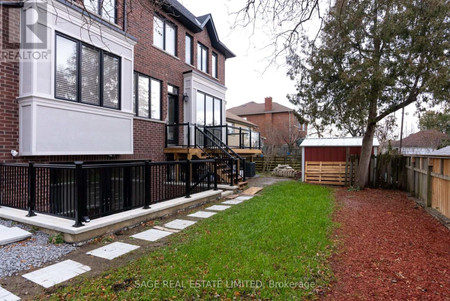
{"x":164,"y":35}
{"x":214,"y":65}
{"x":147,"y":96}
{"x":188,"y":50}
{"x":105,"y":8}
{"x":202,"y":58}
{"x":209,"y":110}
{"x":86,"y":74}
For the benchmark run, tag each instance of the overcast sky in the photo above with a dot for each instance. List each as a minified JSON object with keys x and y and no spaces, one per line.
{"x":246,"y":76}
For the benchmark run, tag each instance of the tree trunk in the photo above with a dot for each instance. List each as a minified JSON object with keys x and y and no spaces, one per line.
{"x":366,"y":152}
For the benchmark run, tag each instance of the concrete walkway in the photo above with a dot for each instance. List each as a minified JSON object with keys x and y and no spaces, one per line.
{"x":68,"y":269}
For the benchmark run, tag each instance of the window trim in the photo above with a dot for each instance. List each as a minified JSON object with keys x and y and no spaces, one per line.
{"x":191,"y":49}
{"x":175,"y":27}
{"x":100,"y":10}
{"x":78,"y":73}
{"x":203,"y":47}
{"x":216,"y":65}
{"x":136,"y":74}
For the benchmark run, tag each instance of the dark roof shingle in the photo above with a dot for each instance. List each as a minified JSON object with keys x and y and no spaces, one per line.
{"x":428,"y":138}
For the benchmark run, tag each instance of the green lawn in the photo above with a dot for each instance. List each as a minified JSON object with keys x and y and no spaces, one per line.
{"x":274,"y":246}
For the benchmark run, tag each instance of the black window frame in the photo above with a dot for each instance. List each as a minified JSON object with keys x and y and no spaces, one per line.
{"x":203,"y":47}
{"x":214,"y":103}
{"x":191,"y":49}
{"x":136,"y":96}
{"x":100,"y":9}
{"x":78,"y":73}
{"x":213,"y":54}
{"x":165,"y":20}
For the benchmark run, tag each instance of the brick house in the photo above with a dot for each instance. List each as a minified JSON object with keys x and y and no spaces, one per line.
{"x":133,"y":82}
{"x":277,"y":123}
{"x":115,"y":77}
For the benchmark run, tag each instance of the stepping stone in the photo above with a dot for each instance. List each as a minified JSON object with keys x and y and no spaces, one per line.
{"x":243,"y":198}
{"x":7,"y":296}
{"x":57,"y":273}
{"x":218,"y":208}
{"x":232,"y":202}
{"x":166,"y":229}
{"x":113,"y":250}
{"x":151,"y":235}
{"x":13,"y":234}
{"x":202,"y":214}
{"x":179,"y":224}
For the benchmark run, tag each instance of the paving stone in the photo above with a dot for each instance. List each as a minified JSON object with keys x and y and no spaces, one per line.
{"x":57,"y":273}
{"x":113,"y":250}
{"x":243,"y":198}
{"x":9,"y":235}
{"x":179,"y":224}
{"x":7,"y":296}
{"x":218,"y":208}
{"x":252,"y":190}
{"x":202,"y":214}
{"x":151,"y":235}
{"x":232,"y":202}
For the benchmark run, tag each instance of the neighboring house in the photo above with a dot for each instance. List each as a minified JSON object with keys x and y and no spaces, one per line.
{"x":240,"y":127}
{"x":115,"y":79}
{"x":423,"y":142}
{"x":277,"y":123}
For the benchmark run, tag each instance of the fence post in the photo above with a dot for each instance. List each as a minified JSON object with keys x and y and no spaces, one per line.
{"x":250,"y":138}
{"x":226,"y":133}
{"x":429,"y":189}
{"x":189,"y":135}
{"x":188,"y":178}
{"x":240,"y":137}
{"x":238,"y":170}
{"x":31,"y":189}
{"x":243,"y":163}
{"x":80,"y":201}
{"x":147,"y":185}
{"x":231,"y":171}
{"x":215,"y":173}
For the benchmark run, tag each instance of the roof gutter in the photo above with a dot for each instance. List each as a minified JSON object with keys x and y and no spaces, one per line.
{"x":11,"y":4}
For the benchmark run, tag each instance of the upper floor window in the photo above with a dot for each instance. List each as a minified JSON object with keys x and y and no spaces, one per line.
{"x":202,"y":57}
{"x":105,"y":8}
{"x":164,"y":35}
{"x":214,"y":65}
{"x":209,"y":110}
{"x":189,"y":43}
{"x":147,"y":96}
{"x":86,"y":74}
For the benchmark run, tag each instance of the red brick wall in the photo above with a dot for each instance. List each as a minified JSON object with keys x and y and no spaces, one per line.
{"x":9,"y":89}
{"x":275,"y":126}
{"x":149,"y":136}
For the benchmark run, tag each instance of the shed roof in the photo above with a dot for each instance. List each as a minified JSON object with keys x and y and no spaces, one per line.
{"x":346,"y":141}
{"x":443,"y":152}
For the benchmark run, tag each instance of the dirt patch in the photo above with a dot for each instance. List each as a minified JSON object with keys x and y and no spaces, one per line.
{"x":388,"y":249}
{"x":263,"y":181}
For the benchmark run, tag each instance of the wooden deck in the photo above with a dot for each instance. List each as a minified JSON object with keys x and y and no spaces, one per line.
{"x":181,"y":153}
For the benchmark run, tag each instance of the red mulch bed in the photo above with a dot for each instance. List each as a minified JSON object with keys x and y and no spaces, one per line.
{"x":388,"y":249}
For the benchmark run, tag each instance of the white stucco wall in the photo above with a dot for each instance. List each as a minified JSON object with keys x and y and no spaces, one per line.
{"x":56,"y":127}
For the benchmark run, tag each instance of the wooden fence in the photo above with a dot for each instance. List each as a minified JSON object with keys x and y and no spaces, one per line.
{"x":428,"y":178}
{"x":268,"y":163}
{"x":327,"y":173}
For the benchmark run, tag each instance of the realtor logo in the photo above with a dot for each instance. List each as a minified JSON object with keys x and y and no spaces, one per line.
{"x":24,"y":30}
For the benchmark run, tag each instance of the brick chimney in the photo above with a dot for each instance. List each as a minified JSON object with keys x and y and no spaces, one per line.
{"x":268,"y":104}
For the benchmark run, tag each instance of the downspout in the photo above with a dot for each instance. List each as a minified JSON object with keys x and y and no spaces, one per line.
{"x":303,"y":164}
{"x":124,"y":26}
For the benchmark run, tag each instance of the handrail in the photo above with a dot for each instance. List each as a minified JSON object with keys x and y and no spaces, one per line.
{"x":224,"y":145}
{"x":216,"y":144}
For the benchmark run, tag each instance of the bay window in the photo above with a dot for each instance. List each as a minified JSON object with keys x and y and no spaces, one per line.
{"x":147,"y":96}
{"x":209,"y":110}
{"x":86,"y":74}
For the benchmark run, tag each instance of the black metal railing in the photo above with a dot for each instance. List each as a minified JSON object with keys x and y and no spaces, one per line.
{"x":84,"y":191}
{"x":237,"y":137}
{"x":183,"y":134}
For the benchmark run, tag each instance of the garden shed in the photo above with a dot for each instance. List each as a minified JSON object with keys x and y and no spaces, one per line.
{"x":326,"y":160}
